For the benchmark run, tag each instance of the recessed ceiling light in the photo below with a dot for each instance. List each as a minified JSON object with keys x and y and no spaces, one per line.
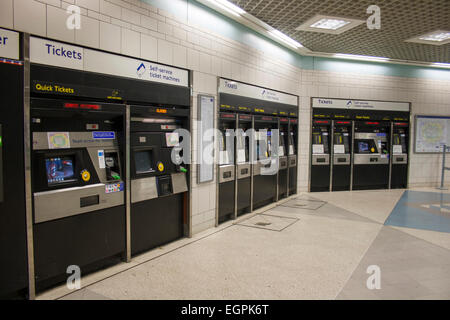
{"x":441,"y":65}
{"x":438,"y":38}
{"x":329,"y":24}
{"x":360,"y":57}
{"x":284,"y":38}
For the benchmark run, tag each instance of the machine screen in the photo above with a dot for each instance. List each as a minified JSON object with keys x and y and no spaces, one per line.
{"x":363,"y":147}
{"x":143,"y":161}
{"x":59,"y":170}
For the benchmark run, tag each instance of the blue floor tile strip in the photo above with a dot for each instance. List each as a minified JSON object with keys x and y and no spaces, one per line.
{"x":422,"y":210}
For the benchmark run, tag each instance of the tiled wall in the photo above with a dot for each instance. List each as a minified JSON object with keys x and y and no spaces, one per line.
{"x":134,"y":28}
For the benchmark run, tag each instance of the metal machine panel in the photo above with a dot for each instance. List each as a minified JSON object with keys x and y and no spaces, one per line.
{"x":143,"y":189}
{"x":243,"y":171}
{"x":283,"y":162}
{"x":341,"y":159}
{"x":292,"y":161}
{"x":226,"y":173}
{"x":320,"y":159}
{"x":179,"y":183}
{"x":257,"y":169}
{"x":51,"y":205}
{"x":370,"y":159}
{"x":400,"y":158}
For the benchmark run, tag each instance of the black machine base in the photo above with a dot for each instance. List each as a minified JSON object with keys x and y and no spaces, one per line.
{"x":90,"y":241}
{"x":368,"y":177}
{"x":292,"y":180}
{"x":341,"y":178}
{"x":226,"y":201}
{"x":282,"y":183}
{"x":156,"y":222}
{"x":320,"y":178}
{"x":243,"y":196}
{"x":264,"y":190}
{"x":399,"y":176}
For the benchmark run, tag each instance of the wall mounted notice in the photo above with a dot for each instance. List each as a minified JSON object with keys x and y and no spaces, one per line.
{"x":431,"y":133}
{"x":359,"y":104}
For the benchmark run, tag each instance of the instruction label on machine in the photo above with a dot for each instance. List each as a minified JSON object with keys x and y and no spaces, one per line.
{"x":114,"y":187}
{"x":101,"y":159}
{"x":103,"y":135}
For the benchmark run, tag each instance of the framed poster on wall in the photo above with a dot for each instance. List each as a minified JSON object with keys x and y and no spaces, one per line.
{"x":205,"y":138}
{"x":431,"y":133}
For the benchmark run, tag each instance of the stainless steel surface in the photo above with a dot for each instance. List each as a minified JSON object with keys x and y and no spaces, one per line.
{"x":226,"y":170}
{"x":292,"y":161}
{"x":369,"y":135}
{"x":128,"y":182}
{"x":77,"y":140}
{"x":332,"y":155}
{"x":51,"y":205}
{"x":283,"y":162}
{"x":179,"y":182}
{"x":253,"y":162}
{"x":338,"y":158}
{"x":241,"y":167}
{"x":93,"y":154}
{"x":27,"y":152}
{"x":236,"y":173}
{"x":143,"y":189}
{"x":400,"y":159}
{"x":372,"y":159}
{"x":391,"y":151}
{"x":256,"y":168}
{"x":320,"y":159}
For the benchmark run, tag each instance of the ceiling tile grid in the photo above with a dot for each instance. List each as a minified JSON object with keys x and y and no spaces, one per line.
{"x":400,"y":20}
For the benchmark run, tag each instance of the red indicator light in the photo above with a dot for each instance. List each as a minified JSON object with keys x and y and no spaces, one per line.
{"x":71,"y":105}
{"x":343,"y":122}
{"x":324,"y":122}
{"x":400,"y":124}
{"x":90,"y":106}
{"x":372,"y":123}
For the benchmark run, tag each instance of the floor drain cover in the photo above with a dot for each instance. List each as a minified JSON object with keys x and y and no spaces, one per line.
{"x":263,"y":224}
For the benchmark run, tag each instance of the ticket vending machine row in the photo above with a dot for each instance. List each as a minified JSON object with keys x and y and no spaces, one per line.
{"x":13,"y":243}
{"x":341,"y":160}
{"x":292,"y":155}
{"x":159,"y":188}
{"x":371,"y":155}
{"x":78,"y":187}
{"x":283,"y":153}
{"x":243,"y":155}
{"x":264,"y":183}
{"x":399,"y":170}
{"x":320,"y":156}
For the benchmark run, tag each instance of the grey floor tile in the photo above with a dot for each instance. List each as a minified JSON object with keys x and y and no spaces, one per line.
{"x":268,"y":222}
{"x":85,"y":294}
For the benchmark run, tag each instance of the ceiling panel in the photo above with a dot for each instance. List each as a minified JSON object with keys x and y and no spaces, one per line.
{"x":400,"y":21}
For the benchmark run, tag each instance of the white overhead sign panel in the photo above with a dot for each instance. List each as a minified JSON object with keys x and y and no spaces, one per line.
{"x":360,"y":104}
{"x":112,"y":64}
{"x":9,"y":44}
{"x":246,"y":90}
{"x":56,"y":54}
{"x":68,"y":56}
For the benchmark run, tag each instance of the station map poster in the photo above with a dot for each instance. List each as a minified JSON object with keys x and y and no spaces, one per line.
{"x":431,"y":133}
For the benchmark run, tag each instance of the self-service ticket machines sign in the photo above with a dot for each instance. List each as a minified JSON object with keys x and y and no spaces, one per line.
{"x":78,"y":186}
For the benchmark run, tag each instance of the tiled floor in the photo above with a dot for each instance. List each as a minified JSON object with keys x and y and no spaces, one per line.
{"x":318,"y":246}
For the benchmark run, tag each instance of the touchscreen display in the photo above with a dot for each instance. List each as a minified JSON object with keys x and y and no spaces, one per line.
{"x":59,"y":170}
{"x":143,"y":162}
{"x":363,"y":146}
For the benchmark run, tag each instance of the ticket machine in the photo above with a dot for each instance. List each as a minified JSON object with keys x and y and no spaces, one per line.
{"x":13,"y":241}
{"x":371,"y":155}
{"x":342,"y":141}
{"x":227,"y":126}
{"x":264,"y":179}
{"x":320,"y":156}
{"x":78,"y":186}
{"x":243,"y":155}
{"x":292,"y":155}
{"x":159,"y":187}
{"x":283,"y":153}
{"x":399,"y":171}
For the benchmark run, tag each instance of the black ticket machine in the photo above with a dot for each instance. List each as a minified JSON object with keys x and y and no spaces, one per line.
{"x":400,"y":137}
{"x":371,"y":155}
{"x":78,"y":186}
{"x":159,"y":189}
{"x":283,"y":153}
{"x":341,"y":155}
{"x":320,"y":156}
{"x":243,"y":164}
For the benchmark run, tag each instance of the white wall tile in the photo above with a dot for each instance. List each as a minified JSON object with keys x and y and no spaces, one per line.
{"x":89,"y":34}
{"x":110,"y":37}
{"x":131,"y":43}
{"x":149,"y":48}
{"x":165,"y":51}
{"x":30,"y":16}
{"x":6,"y":13}
{"x":89,"y":4}
{"x":110,"y":9}
{"x":56,"y":25}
